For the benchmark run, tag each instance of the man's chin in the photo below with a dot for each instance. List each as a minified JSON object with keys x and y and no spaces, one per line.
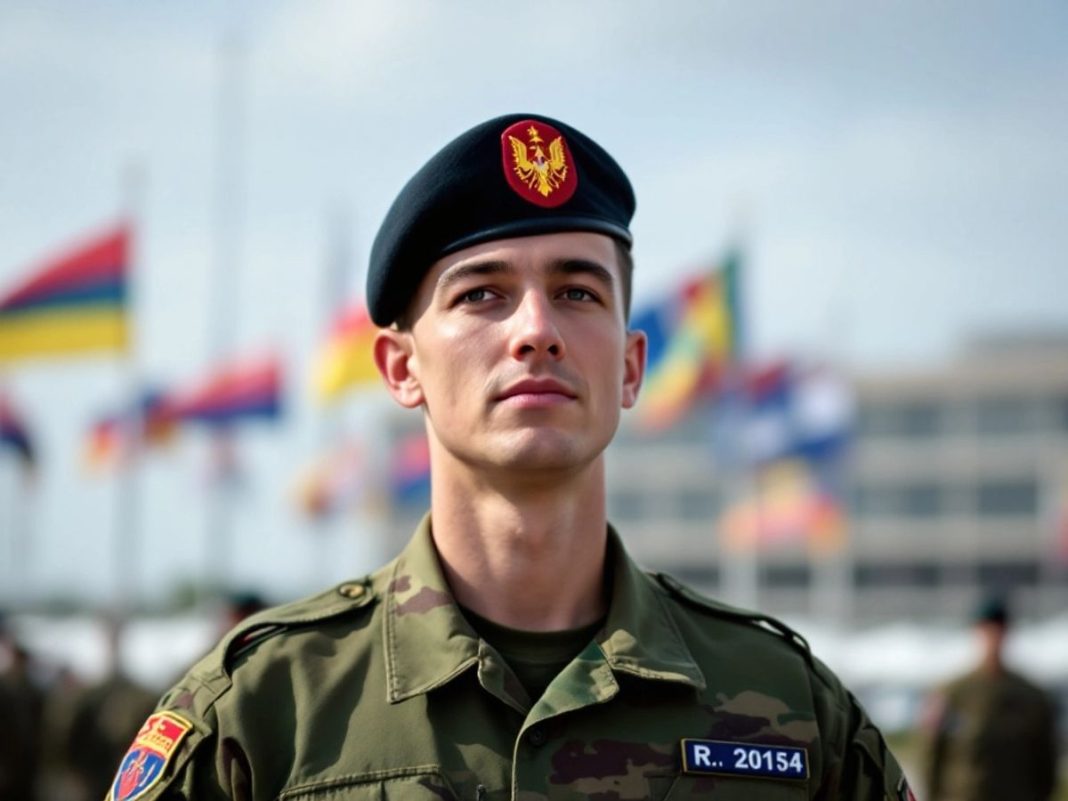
{"x":544,"y":449}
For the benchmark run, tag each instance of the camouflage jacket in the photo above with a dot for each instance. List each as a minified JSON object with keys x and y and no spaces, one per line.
{"x":379,"y":689}
{"x":995,"y":736}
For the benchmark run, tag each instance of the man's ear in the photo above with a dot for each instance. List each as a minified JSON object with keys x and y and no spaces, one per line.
{"x":395,"y":362}
{"x":633,"y":367}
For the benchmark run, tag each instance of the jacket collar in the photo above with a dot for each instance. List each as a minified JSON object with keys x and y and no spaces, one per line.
{"x":428,"y":642}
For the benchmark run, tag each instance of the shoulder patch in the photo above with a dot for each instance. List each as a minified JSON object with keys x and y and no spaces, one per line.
{"x":147,"y":759}
{"x":770,"y":624}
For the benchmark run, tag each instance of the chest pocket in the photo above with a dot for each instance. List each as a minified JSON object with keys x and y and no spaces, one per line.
{"x":407,"y":784}
{"x":690,"y":787}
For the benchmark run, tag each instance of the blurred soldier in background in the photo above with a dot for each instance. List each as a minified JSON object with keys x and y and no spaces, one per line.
{"x":991,"y":733}
{"x":104,"y":721}
{"x":58,"y":782}
{"x":21,"y":703}
{"x":240,"y":605}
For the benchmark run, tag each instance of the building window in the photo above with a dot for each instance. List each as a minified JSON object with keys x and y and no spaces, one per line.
{"x":918,"y":499}
{"x":920,"y":419}
{"x":1005,"y":415}
{"x":1008,"y":574}
{"x":921,"y":500}
{"x":908,"y":574}
{"x":915,"y":418}
{"x":698,"y":504}
{"x":1007,"y":497}
{"x":871,"y":501}
{"x":786,"y":576}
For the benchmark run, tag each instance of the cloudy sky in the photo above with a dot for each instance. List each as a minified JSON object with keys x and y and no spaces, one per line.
{"x":896,"y":173}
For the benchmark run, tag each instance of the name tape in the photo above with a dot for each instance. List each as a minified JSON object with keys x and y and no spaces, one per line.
{"x":744,"y":759}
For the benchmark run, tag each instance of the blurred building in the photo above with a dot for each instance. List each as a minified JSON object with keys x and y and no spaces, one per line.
{"x":956,"y":482}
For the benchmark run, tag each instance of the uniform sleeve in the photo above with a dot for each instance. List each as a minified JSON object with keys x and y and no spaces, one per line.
{"x":206,"y":763}
{"x":856,"y":762}
{"x":209,"y":773}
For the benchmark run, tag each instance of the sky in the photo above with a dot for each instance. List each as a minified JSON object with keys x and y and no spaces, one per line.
{"x":894,"y":173}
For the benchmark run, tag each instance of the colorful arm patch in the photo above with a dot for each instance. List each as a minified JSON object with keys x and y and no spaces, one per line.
{"x":143,"y":766}
{"x":744,"y":759}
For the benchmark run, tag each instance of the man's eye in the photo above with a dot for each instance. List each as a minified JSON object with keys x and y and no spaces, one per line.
{"x":577,"y":293}
{"x":474,"y":295}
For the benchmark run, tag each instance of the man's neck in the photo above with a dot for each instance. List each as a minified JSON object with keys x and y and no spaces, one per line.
{"x":530,"y":557}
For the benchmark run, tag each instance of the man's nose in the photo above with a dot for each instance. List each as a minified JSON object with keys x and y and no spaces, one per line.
{"x":535,"y":332}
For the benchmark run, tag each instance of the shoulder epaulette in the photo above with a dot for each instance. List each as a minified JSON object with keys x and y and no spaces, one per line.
{"x":264,"y":625}
{"x":722,"y":610}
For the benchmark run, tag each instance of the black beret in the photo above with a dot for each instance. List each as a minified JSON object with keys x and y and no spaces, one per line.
{"x":517,"y":175}
{"x":992,"y":609}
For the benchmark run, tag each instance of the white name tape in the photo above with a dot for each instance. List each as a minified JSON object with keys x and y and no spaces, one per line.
{"x":744,"y":759}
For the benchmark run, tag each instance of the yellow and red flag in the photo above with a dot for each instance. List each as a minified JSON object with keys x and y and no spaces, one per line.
{"x":347,"y":360}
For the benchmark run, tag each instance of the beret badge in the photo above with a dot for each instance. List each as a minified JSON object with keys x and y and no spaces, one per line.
{"x":537,"y":163}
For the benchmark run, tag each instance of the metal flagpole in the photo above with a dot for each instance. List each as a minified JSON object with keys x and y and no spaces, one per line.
{"x":127,"y":539}
{"x":336,"y":264}
{"x":10,"y":521}
{"x":226,"y":268}
{"x":742,"y":583}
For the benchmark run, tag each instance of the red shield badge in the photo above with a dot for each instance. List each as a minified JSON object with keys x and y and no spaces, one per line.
{"x":143,"y":766}
{"x":537,"y":163}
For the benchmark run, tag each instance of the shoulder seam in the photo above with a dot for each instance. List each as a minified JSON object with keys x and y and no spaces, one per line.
{"x":758,"y":620}
{"x":280,"y":619}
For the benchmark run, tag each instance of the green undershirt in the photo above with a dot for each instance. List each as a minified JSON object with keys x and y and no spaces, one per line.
{"x":536,"y":657}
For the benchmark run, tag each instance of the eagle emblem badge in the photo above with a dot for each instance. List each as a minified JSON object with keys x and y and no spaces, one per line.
{"x":538,"y":164}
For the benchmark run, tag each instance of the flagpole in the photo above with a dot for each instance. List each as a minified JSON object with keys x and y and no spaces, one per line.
{"x":219,"y":543}
{"x":127,"y":564}
{"x":743,"y":564}
{"x":336,"y":266}
{"x":837,"y":568}
{"x":11,"y":521}
{"x":22,"y":535}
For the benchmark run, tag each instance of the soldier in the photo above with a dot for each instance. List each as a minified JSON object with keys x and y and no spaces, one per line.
{"x":992,"y":733}
{"x":103,"y":719}
{"x":513,"y":650}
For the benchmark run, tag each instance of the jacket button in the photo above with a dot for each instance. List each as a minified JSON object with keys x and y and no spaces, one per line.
{"x":536,"y":737}
{"x":352,"y":591}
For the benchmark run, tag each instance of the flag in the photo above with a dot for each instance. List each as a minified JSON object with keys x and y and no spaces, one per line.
{"x":410,"y":471}
{"x":693,"y":336}
{"x":244,"y":389}
{"x":114,"y":437}
{"x":789,"y":504}
{"x":73,"y":304}
{"x":347,"y":360}
{"x":335,"y":483}
{"x":14,"y":434}
{"x":782,"y":410}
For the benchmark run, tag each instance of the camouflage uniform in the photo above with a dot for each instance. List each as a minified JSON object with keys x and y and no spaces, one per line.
{"x":380,"y":689}
{"x":994,"y":737}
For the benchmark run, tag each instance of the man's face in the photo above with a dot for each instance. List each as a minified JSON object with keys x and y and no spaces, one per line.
{"x":519,"y":352}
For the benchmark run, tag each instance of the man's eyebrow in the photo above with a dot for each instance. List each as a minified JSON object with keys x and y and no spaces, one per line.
{"x":583,"y":267}
{"x":462,"y":271}
{"x":497,"y":267}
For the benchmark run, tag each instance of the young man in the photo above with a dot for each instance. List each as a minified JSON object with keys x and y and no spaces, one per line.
{"x":513,"y":650}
